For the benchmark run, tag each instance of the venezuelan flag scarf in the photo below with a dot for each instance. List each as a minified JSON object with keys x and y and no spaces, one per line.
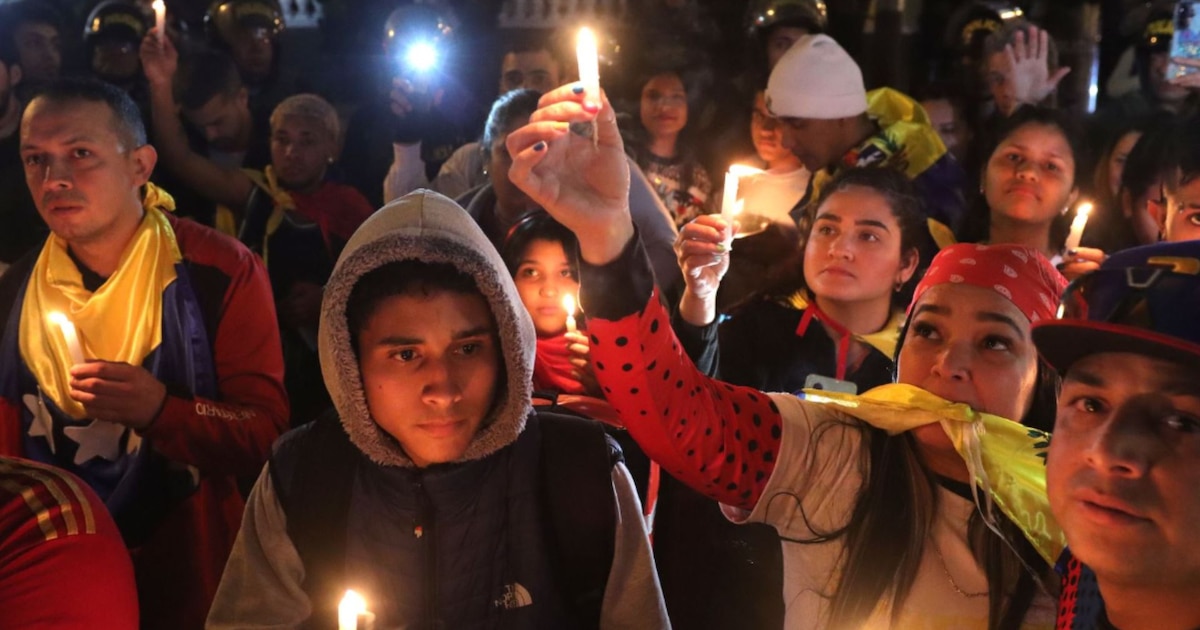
{"x":130,"y":301}
{"x":1006,"y":459}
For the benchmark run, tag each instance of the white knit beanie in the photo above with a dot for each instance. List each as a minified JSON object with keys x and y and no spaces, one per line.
{"x":816,"y":78}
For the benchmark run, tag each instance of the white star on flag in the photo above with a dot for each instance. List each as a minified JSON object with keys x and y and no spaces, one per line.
{"x":98,"y":439}
{"x":42,"y":424}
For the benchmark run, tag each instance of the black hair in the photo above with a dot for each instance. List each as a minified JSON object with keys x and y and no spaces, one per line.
{"x":539,"y":226}
{"x":506,"y":111}
{"x":127,"y":119}
{"x":204,"y":75}
{"x":1181,"y":162}
{"x":33,"y":12}
{"x":402,"y":277}
{"x":1147,"y":160}
{"x":529,"y":43}
{"x":978,"y":221}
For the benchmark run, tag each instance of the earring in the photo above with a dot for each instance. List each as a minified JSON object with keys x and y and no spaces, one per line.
{"x":899,"y":286}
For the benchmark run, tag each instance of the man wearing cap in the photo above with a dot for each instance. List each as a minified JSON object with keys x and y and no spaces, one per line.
{"x":831,"y":122}
{"x":1124,"y":463}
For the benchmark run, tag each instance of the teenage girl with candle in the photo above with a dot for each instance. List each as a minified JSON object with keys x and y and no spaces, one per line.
{"x":1030,"y":190}
{"x":917,"y":504}
{"x":542,"y":257}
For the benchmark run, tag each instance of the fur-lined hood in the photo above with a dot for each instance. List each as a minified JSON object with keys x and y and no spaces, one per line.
{"x":429,"y":227}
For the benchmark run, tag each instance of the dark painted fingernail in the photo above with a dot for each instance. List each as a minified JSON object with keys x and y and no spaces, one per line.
{"x":541,"y":146}
{"x":578,"y":89}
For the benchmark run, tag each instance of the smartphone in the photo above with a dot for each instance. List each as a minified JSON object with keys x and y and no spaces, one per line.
{"x":816,"y":381}
{"x":1185,"y":43}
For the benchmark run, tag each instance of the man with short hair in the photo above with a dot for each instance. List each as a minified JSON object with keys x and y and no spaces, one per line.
{"x":22,"y":229}
{"x":213,"y":99}
{"x":36,"y":30}
{"x":1124,"y":462}
{"x":831,"y":122}
{"x":141,"y":351}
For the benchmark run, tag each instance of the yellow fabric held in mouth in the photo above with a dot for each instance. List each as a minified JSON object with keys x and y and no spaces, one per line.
{"x":1004,"y":458}
{"x":121,"y":321}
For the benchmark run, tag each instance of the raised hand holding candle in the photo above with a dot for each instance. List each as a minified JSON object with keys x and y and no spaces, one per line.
{"x":160,"y":18}
{"x":352,"y":613}
{"x":569,"y":307}
{"x":1077,"y":226}
{"x":589,"y":70}
{"x":69,"y":334}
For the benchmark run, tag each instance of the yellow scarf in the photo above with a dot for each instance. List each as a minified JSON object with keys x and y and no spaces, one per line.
{"x":121,"y":321}
{"x":1003,"y":457}
{"x":283,"y":202}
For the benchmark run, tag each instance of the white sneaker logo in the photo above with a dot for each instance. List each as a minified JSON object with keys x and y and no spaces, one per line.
{"x":515,"y":596}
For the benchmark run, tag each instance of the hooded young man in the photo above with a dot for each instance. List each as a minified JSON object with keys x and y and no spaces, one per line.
{"x":1124,"y":462}
{"x":431,"y":491}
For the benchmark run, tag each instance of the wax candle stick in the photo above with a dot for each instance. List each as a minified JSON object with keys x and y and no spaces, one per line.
{"x":70,"y":335}
{"x":569,"y":307}
{"x":729,"y":201}
{"x":353,"y":614}
{"x":160,"y":18}
{"x":589,"y":71}
{"x":1077,"y":226}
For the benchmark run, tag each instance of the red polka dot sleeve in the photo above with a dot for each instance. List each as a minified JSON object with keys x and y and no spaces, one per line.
{"x":720,"y":439}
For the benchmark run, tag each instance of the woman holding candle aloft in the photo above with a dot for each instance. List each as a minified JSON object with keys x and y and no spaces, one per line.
{"x":541,"y":256}
{"x":836,"y":316}
{"x":869,"y":493}
{"x":1030,"y":190}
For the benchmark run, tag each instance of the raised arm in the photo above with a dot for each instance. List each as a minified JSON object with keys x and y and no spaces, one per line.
{"x":228,"y":186}
{"x":720,"y":439}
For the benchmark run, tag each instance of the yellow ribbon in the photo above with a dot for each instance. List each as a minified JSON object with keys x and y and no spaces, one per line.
{"x":120,"y":321}
{"x":283,"y":202}
{"x":1005,"y":458}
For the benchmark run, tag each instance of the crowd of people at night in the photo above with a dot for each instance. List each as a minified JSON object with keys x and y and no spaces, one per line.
{"x":302,"y":332}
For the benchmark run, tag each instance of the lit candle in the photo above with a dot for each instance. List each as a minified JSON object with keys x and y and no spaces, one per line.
{"x":569,"y":307}
{"x":352,"y":613}
{"x":1080,"y":222}
{"x":160,"y":18}
{"x":589,"y":69}
{"x":68,"y":332}
{"x":729,"y":204}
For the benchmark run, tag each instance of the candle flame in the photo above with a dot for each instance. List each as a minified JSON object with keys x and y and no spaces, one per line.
{"x":568,"y":302}
{"x":1084,"y":209}
{"x":159,"y":6}
{"x":350,"y":608}
{"x":742,"y":170}
{"x":586,"y":38}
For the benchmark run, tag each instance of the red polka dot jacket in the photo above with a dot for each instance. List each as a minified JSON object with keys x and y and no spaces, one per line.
{"x":720,"y":439}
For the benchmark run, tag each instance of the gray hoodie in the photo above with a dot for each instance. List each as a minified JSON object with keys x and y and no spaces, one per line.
{"x":426,"y":226}
{"x":262,"y":586}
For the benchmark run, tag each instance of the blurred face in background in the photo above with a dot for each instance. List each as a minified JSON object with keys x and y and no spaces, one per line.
{"x":39,"y":51}
{"x":301,"y":150}
{"x":664,"y":109}
{"x":253,"y":51}
{"x":543,"y":277}
{"x":944,"y":119}
{"x":1117,"y":158}
{"x":779,"y":40}
{"x":535,"y":70}
{"x":115,"y":59}
{"x":766,"y":131}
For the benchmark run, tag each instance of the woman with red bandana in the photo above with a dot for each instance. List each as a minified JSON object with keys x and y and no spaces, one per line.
{"x":916,"y":503}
